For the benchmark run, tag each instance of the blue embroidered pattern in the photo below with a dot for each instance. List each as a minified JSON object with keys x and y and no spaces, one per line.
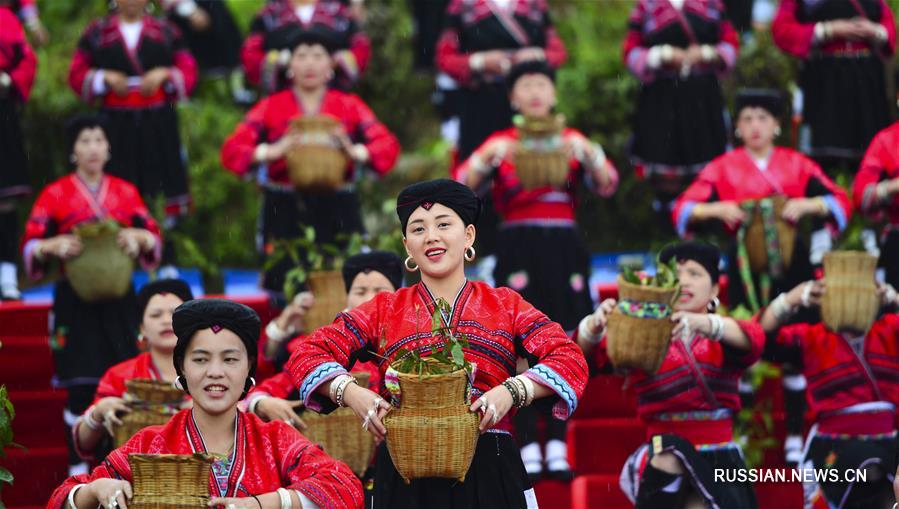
{"x":319,"y":375}
{"x":555,"y":382}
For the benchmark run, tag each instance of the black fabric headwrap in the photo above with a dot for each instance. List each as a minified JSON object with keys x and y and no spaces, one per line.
{"x":449,"y":193}
{"x":703,"y":253}
{"x":766,"y":98}
{"x":313,"y":37}
{"x":387,"y":264}
{"x":529,"y":67}
{"x":174,"y":286}
{"x":215,"y":314}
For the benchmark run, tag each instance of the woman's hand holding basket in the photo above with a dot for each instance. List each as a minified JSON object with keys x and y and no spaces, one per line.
{"x":107,"y":493}
{"x":277,"y":409}
{"x":108,"y":410}
{"x":61,"y":246}
{"x":135,"y":241}
{"x":494,"y":405}
{"x":369,"y":407}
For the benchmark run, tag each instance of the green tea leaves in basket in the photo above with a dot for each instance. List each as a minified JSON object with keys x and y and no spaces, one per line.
{"x":441,"y":358}
{"x":666,"y":275}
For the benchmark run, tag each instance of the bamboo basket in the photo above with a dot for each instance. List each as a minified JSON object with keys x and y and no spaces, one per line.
{"x":153,"y":392}
{"x":851,"y":300}
{"x":170,"y":481}
{"x":539,"y":156}
{"x":640,"y":343}
{"x":136,"y":420}
{"x":340,"y":435}
{"x":433,"y":433}
{"x":330,"y":298}
{"x":755,"y":237}
{"x":102,"y":271}
{"x":318,"y":165}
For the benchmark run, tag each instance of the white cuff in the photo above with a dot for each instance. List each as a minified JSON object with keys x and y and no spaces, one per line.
{"x":186,"y":8}
{"x":583,"y":331}
{"x":5,"y":80}
{"x":274,"y":333}
{"x":260,"y":155}
{"x":654,"y":57}
{"x":98,"y":84}
{"x":708,"y":52}
{"x":822,"y":31}
{"x":305,"y":503}
{"x":476,"y":62}
{"x":882,"y":34}
{"x":360,"y":153}
{"x":254,"y":400}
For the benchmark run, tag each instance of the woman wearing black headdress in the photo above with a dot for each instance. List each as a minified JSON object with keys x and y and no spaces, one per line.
{"x":438,"y":220}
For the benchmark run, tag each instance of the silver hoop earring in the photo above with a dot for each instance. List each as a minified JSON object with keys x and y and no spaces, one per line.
{"x":777,"y":131}
{"x":412,"y":268}
{"x":737,"y":134}
{"x":713,"y":305}
{"x":253,"y":381}
{"x":141,"y":338}
{"x":469,"y":253}
{"x":177,"y":383}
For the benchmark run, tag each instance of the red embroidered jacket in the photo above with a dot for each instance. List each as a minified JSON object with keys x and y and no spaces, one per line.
{"x":651,"y":20}
{"x":102,"y":47}
{"x":17,"y":59}
{"x":734,"y":176}
{"x":881,"y":162}
{"x":500,"y":326}
{"x":471,"y":26}
{"x":836,"y":377}
{"x":276,"y":26}
{"x":794,"y":26}
{"x":537,"y":205}
{"x":271,"y":117}
{"x":675,"y":388}
{"x":267,"y":456}
{"x":68,"y":202}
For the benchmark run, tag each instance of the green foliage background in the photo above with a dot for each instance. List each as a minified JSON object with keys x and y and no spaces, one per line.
{"x":595,"y":90}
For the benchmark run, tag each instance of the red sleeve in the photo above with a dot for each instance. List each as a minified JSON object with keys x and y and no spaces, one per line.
{"x":888,"y":21}
{"x":728,"y":46}
{"x":634,"y":51}
{"x":702,"y":190}
{"x":59,"y":497}
{"x":555,"y":51}
{"x":111,"y":385}
{"x":360,"y":45}
{"x":838,"y":201}
{"x":81,"y":70}
{"x":278,"y":386}
{"x":23,"y":58}
{"x":237,"y":151}
{"x":448,"y":57}
{"x":790,"y":336}
{"x":756,"y":336}
{"x":38,"y":227}
{"x":252,"y":56}
{"x":870,"y":172}
{"x":560,"y":362}
{"x":322,"y":479}
{"x":789,"y":34}
{"x":184,"y":70}
{"x":326,"y":352}
{"x":383,"y":147}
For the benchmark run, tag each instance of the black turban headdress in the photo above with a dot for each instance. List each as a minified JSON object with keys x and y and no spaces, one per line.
{"x":388,"y":264}
{"x":529,"y":67}
{"x":766,"y":98}
{"x":215,"y":314}
{"x":449,"y":193}
{"x":702,"y":253}
{"x":162,"y":286}
{"x":313,"y":37}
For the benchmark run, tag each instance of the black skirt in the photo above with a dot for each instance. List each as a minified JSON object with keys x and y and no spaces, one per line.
{"x":218,"y":48}
{"x":550,"y":267}
{"x":679,"y":122}
{"x":889,"y":258}
{"x":87,"y":338}
{"x":484,"y":110}
{"x":844,"y":103}
{"x":496,"y":480}
{"x":146,"y":151}
{"x":13,"y":174}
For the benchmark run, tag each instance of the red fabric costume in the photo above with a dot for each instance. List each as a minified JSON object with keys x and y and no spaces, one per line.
{"x":881,"y":162}
{"x":798,"y":38}
{"x":16,"y":56}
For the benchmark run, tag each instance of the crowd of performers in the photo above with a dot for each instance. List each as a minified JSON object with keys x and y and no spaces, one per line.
{"x":535,"y":334}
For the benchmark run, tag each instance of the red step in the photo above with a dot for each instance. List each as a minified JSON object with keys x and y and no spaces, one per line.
{"x":19,"y":319}
{"x":25,"y":362}
{"x":606,"y":396}
{"x":37,"y":473}
{"x":553,"y":494}
{"x":598,"y":492}
{"x":600,"y":446}
{"x":39,"y":421}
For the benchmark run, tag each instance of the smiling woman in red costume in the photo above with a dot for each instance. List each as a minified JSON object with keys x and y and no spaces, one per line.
{"x":438,"y":220}
{"x":156,"y":302}
{"x":257,"y":465}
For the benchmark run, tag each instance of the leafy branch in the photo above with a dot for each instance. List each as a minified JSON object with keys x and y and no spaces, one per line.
{"x":440,"y":359}
{"x":7,"y":414}
{"x":666,"y":275}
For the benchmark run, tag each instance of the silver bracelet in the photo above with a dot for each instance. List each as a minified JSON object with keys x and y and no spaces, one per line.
{"x":89,"y":421}
{"x":286,"y":502}
{"x":528,"y":385}
{"x":345,"y":381}
{"x":781,"y":309}
{"x":717,"y":327}
{"x":71,"y":498}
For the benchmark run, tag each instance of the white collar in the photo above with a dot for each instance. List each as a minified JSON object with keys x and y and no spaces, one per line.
{"x":678,"y":4}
